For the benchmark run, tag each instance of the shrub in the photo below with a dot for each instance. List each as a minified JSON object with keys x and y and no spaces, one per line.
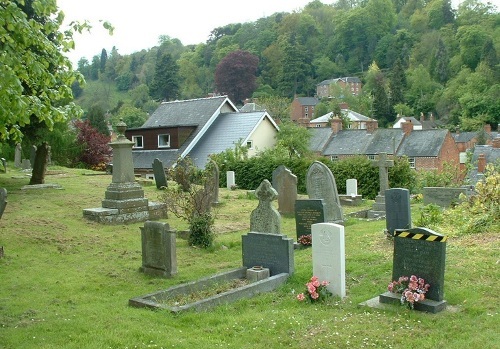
{"x":94,"y":145}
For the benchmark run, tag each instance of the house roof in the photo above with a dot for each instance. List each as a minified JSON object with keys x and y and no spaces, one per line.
{"x":351,"y":115}
{"x":385,"y":140}
{"x":226,"y":130}
{"x":251,"y":107}
{"x":319,"y":138}
{"x":491,"y":155}
{"x":307,"y":100}
{"x":422,"y":143}
{"x":463,"y":137}
{"x":323,"y":118}
{"x":411,"y":119}
{"x":348,"y":142}
{"x":347,"y":79}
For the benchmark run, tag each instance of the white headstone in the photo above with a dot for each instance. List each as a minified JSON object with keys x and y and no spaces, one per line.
{"x":230,"y":179}
{"x":351,"y":187}
{"x":328,"y":254}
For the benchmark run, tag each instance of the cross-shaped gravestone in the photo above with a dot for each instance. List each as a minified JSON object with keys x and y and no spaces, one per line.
{"x":383,"y":164}
{"x":265,"y":218}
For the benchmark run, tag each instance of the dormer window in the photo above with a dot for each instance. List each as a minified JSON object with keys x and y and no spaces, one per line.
{"x":164,"y":141}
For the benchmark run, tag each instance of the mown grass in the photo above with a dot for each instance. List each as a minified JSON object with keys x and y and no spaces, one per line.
{"x":65,"y":283}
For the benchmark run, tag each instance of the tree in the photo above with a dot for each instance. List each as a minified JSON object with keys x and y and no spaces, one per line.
{"x":95,"y":151}
{"x":103,"y":60}
{"x":165,"y":85}
{"x":397,"y":83}
{"x":96,"y":118}
{"x":294,"y":139}
{"x":36,"y":75}
{"x":235,"y":75}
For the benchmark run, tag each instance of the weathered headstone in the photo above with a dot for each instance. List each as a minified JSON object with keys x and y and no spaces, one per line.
{"x":420,"y":252}
{"x":4,"y":164}
{"x":273,"y":251}
{"x":383,"y":163}
{"x":230,"y":180}
{"x":3,"y":200}
{"x":321,"y":185}
{"x":351,"y":187}
{"x":307,"y":213}
{"x":285,"y":183}
{"x":398,"y":209}
{"x":18,"y":155}
{"x":26,"y":164}
{"x":33,"y":150}
{"x":265,"y":218}
{"x":159,"y":172}
{"x":159,"y":256}
{"x":212,"y":183}
{"x":328,"y":255}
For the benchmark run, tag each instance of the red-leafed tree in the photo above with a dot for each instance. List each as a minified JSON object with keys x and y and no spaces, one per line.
{"x":95,"y":151}
{"x":235,"y":75}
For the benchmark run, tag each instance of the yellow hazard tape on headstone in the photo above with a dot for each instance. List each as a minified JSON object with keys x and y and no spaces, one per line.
{"x":418,"y":236}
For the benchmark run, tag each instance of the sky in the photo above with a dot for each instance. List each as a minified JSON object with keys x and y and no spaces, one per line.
{"x":138,"y":24}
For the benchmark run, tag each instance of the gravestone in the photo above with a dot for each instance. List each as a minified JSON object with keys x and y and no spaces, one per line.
{"x":307,"y":213}
{"x":159,"y":173}
{"x":285,"y":183}
{"x":351,"y":187}
{"x":159,"y":256}
{"x":212,"y":183}
{"x":420,"y":252}
{"x":321,"y":185}
{"x":231,"y":182}
{"x":383,"y":163}
{"x":18,"y":155}
{"x":3,"y":200}
{"x":272,"y":251}
{"x":4,"y":164}
{"x":26,"y":164}
{"x":328,"y":255}
{"x":398,"y":209}
{"x":265,"y":218}
{"x":33,"y":154}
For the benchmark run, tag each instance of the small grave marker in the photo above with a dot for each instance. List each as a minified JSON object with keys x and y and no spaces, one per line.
{"x":398,"y":209}
{"x":307,"y":213}
{"x":159,"y":257}
{"x":159,"y":172}
{"x":230,"y":180}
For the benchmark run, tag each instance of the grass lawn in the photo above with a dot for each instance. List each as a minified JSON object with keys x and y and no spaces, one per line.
{"x":65,"y":283}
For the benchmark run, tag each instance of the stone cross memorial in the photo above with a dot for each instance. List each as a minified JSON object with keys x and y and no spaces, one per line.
{"x":383,"y":164}
{"x":159,"y":172}
{"x":285,"y":183}
{"x":159,"y":256}
{"x":321,"y":185}
{"x":420,"y":252}
{"x":265,"y":218}
{"x":307,"y":213}
{"x":398,"y":210}
{"x":328,"y":255}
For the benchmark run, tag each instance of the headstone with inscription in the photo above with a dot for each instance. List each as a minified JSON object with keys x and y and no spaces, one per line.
{"x":398,"y":209}
{"x":420,"y":252}
{"x":3,"y":200}
{"x":18,"y":155}
{"x":272,"y":251}
{"x":307,"y":213}
{"x":159,"y":172}
{"x":351,"y":187}
{"x":285,"y":183}
{"x":230,"y":180}
{"x":328,"y":255}
{"x":159,"y":256}
{"x":321,"y":185}
{"x":26,"y":164}
{"x":265,"y":218}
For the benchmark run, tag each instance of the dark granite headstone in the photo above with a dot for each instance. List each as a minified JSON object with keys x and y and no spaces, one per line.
{"x":159,"y":172}
{"x":398,"y":210}
{"x":307,"y":213}
{"x":3,"y":200}
{"x":421,"y":252}
{"x":273,"y":251}
{"x":159,"y":256}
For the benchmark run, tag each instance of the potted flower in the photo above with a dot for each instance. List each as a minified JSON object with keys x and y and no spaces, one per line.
{"x":305,"y":240}
{"x":412,"y":289}
{"x":316,"y":291}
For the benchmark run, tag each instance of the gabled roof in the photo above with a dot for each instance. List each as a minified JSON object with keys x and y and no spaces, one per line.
{"x":307,"y":100}
{"x":320,"y":136}
{"x":411,"y":119}
{"x":251,"y":107}
{"x":346,"y":79}
{"x":423,"y":143}
{"x":491,"y":155}
{"x":384,"y":140}
{"x":227,"y":129}
{"x":351,"y":115}
{"x":321,"y":119}
{"x":348,"y":142}
{"x":464,"y":137}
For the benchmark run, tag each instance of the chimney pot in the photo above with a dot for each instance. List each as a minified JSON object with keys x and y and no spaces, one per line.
{"x":481,"y":163}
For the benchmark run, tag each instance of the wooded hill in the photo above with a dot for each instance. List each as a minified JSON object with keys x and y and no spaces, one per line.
{"x":413,"y":56}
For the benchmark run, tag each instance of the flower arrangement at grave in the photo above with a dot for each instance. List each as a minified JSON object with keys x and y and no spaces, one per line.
{"x":412,"y":289}
{"x":305,"y":240}
{"x":316,"y":291}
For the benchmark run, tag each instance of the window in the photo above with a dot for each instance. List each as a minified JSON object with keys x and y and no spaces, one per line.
{"x":334,"y":157}
{"x":164,"y":141}
{"x":371,"y":157}
{"x":318,"y":125}
{"x":412,"y":162}
{"x":250,"y":144}
{"x":137,"y":142}
{"x":306,"y":109}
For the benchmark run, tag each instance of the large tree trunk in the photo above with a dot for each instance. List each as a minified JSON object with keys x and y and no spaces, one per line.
{"x":40,"y":165}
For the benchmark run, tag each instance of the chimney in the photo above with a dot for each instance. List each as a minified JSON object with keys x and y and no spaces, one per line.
{"x":336,"y":124}
{"x":481,"y":163}
{"x":487,"y":128}
{"x":407,"y":127}
{"x":422,"y":117}
{"x":371,"y":125}
{"x":496,"y":142}
{"x":343,"y":105}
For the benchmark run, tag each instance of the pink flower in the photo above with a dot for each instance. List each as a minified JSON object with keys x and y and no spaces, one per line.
{"x":310,"y":288}
{"x":314,"y":278}
{"x":301,"y":297}
{"x":324,"y":283}
{"x":315,"y":295}
{"x":390,"y":287}
{"x":413,"y":278}
{"x":316,"y":283}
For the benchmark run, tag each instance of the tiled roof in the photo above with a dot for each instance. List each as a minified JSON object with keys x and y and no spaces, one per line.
{"x":319,"y":138}
{"x":348,"y":142}
{"x":463,"y":137}
{"x":144,"y":158}
{"x":308,"y":100}
{"x":423,"y":143}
